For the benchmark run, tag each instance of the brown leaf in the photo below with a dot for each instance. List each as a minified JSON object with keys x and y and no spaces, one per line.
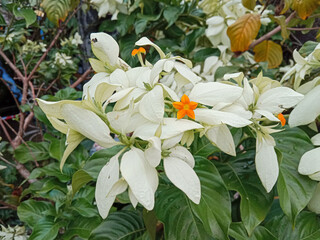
{"x":243,"y":32}
{"x":304,"y":8}
{"x":268,"y":51}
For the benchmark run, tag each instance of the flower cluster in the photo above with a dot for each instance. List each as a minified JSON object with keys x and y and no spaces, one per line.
{"x":110,"y":6}
{"x":156,"y":124}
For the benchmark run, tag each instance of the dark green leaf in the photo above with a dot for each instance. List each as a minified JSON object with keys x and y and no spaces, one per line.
{"x":238,"y":231}
{"x":295,"y":190}
{"x":172,"y":13}
{"x":221,"y":71}
{"x":82,"y":227}
{"x":202,"y":147}
{"x":85,"y":208}
{"x":240,"y":175}
{"x":204,"y":53}
{"x":46,"y":229}
{"x":79,"y":179}
{"x":27,"y":13}
{"x":189,"y":42}
{"x":34,"y":151}
{"x":140,"y":26}
{"x":122,"y":225}
{"x":150,"y":221}
{"x":308,"y":48}
{"x":32,"y":211}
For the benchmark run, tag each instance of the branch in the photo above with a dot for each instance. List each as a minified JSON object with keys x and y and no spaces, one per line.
{"x":273,"y":32}
{"x":11,"y":65}
{"x":82,"y":78}
{"x":304,"y":29}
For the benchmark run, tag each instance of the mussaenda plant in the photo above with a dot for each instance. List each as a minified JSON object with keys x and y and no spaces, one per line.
{"x":157,"y":110}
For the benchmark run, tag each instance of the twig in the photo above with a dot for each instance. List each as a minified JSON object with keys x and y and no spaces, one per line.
{"x":11,"y":65}
{"x":8,"y":205}
{"x":5,"y":131}
{"x":7,"y":162}
{"x":303,"y":29}
{"x":82,"y":78}
{"x":271,"y":33}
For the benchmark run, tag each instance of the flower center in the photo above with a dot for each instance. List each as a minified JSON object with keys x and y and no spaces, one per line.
{"x":185,"y":107}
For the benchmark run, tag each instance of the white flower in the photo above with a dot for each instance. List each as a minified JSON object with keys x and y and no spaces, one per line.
{"x":63,"y":59}
{"x":110,"y":6}
{"x":76,"y":40}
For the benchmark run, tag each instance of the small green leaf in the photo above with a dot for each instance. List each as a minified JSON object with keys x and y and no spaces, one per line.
{"x":221,"y":71}
{"x":189,"y":42}
{"x":150,"y":220}
{"x":250,"y":4}
{"x":140,"y":25}
{"x":27,"y":13}
{"x":202,"y":147}
{"x":295,"y":190}
{"x":308,"y":48}
{"x":204,"y":53}
{"x":120,"y":225}
{"x":171,"y":14}
{"x":34,"y":151}
{"x":79,"y":179}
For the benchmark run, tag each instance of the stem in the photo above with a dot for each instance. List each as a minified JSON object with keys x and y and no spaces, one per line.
{"x":304,"y":29}
{"x":273,"y":32}
{"x":82,"y":78}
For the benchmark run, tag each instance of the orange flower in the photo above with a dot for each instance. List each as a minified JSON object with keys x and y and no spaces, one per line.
{"x":185,"y":107}
{"x":282,"y":119}
{"x":139,"y":50}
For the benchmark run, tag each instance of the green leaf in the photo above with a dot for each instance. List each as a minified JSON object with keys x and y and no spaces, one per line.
{"x":185,"y":220}
{"x":34,"y":151}
{"x":238,"y":231}
{"x":31,"y":211}
{"x":250,"y":4}
{"x":307,"y":226}
{"x":53,"y":170}
{"x":221,"y":71}
{"x":46,"y":229}
{"x":27,"y":13}
{"x":79,"y":179}
{"x":295,"y":190}
{"x":189,"y":42}
{"x":150,"y":221}
{"x":202,"y":147}
{"x":307,"y":48}
{"x":240,"y":175}
{"x":68,"y":94}
{"x":204,"y":53}
{"x":82,"y":227}
{"x":140,"y":25}
{"x":171,"y":14}
{"x":120,"y":225}
{"x":85,"y":208}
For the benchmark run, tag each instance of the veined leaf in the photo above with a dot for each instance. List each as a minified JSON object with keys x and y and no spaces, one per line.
{"x":240,"y":175}
{"x":243,"y":32}
{"x":185,"y":220}
{"x":238,"y":231}
{"x":250,"y":4}
{"x":305,"y":8}
{"x":79,"y":179}
{"x":57,"y":10}
{"x":34,"y":151}
{"x":46,"y":228}
{"x":268,"y":51}
{"x":81,"y":227}
{"x":295,"y":190}
{"x":120,"y":225}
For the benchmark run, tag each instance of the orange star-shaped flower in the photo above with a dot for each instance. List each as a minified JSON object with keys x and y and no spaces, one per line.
{"x":185,"y":107}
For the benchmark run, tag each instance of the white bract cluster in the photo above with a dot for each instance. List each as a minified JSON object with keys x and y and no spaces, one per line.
{"x":110,"y":6}
{"x":156,"y":124}
{"x":303,"y":67}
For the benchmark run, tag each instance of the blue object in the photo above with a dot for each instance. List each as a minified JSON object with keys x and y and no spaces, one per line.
{"x":15,"y":90}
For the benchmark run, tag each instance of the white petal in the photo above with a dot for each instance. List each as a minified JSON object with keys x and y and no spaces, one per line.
{"x":105,"y":48}
{"x":314,"y":205}
{"x":266,"y":164}
{"x":132,"y":198}
{"x":268,"y":115}
{"x":213,"y":117}
{"x":153,"y":153}
{"x":222,"y":138}
{"x":119,"y":77}
{"x":57,"y":124}
{"x":125,"y":101}
{"x":152,"y":104}
{"x":118,"y":187}
{"x":173,"y":127}
{"x":278,"y":98}
{"x":187,"y":73}
{"x":146,"y":131}
{"x":298,"y":58}
{"x":316,"y":139}
{"x":88,"y":124}
{"x":248,"y":94}
{"x":183,"y":154}
{"x":307,"y":110}
{"x":108,"y":176}
{"x":97,"y":65}
{"x":183,"y":177}
{"x":170,"y":93}
{"x":119,"y":95}
{"x":54,"y":108}
{"x":171,"y":142}
{"x":213,"y":93}
{"x":310,"y":162}
{"x":140,"y":176}
{"x":145,"y":41}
